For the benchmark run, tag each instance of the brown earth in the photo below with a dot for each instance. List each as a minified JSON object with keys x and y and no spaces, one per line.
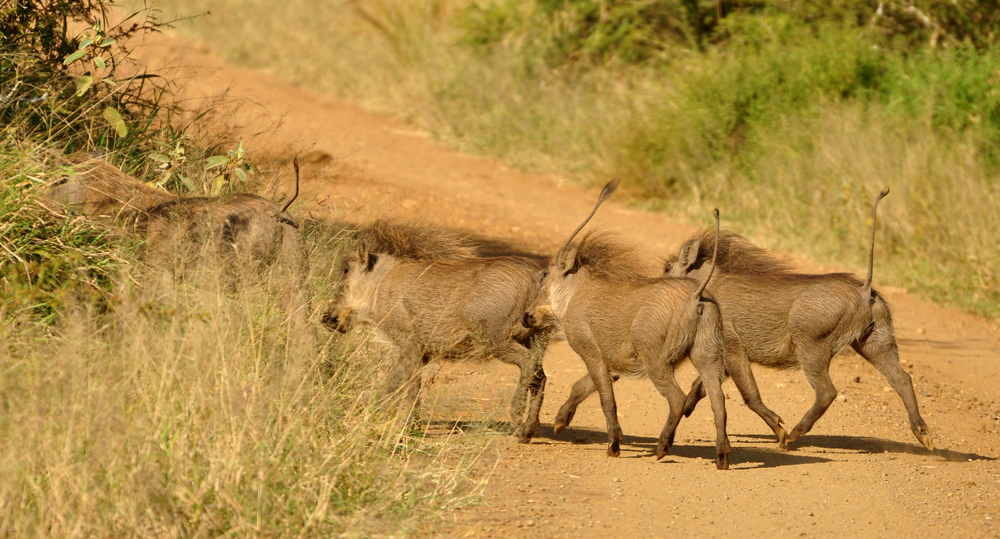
{"x":859,"y":473}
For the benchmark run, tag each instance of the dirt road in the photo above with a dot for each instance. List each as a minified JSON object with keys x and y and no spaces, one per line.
{"x":859,"y":473}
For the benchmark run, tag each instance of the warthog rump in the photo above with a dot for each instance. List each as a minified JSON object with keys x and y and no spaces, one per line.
{"x":443,"y":303}
{"x":777,"y":318}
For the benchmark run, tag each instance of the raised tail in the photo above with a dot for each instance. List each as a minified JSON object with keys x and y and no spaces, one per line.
{"x":295,"y":163}
{"x":715,"y":254}
{"x":871,"y":251}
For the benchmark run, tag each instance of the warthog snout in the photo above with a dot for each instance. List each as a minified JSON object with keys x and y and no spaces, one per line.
{"x":334,"y":321}
{"x":535,"y":318}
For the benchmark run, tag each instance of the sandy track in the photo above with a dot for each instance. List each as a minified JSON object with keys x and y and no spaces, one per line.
{"x":859,"y":473}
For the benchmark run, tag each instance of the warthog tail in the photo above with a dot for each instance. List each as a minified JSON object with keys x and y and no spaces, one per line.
{"x":295,"y":163}
{"x":715,"y":254}
{"x":871,"y":251}
{"x":608,"y":189}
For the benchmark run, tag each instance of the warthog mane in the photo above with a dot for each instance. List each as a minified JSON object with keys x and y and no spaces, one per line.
{"x":737,"y":256}
{"x":607,"y":255}
{"x":410,"y":240}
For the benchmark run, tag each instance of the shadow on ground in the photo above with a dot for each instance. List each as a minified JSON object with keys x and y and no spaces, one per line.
{"x":864,"y":444}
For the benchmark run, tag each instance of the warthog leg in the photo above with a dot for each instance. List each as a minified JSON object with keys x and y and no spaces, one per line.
{"x":738,"y":367}
{"x":706,"y":356}
{"x":879,"y":348}
{"x":815,"y":361}
{"x":601,"y":377}
{"x":403,"y":377}
{"x":530,"y":388}
{"x":583,"y":388}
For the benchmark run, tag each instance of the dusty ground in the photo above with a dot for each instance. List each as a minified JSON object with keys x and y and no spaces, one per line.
{"x":859,"y":473}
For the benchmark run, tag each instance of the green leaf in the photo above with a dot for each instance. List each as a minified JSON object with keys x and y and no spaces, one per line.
{"x":187,"y":182}
{"x":99,"y":62}
{"x":159,"y":157}
{"x":83,"y":84}
{"x":216,"y":161}
{"x":107,"y":42}
{"x":241,"y":175}
{"x":116,"y":121}
{"x":86,"y":43}
{"x":109,"y":82}
{"x":217,"y":185}
{"x":166,"y":177}
{"x":74,"y":57}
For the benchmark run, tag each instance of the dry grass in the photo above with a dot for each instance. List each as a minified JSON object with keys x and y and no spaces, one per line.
{"x":191,"y":408}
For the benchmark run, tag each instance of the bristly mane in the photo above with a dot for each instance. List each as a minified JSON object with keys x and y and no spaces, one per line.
{"x":737,"y":255}
{"x":414,"y":240}
{"x":607,"y":255}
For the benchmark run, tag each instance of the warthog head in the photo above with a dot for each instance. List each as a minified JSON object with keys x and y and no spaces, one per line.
{"x":362,"y":273}
{"x":378,"y":248}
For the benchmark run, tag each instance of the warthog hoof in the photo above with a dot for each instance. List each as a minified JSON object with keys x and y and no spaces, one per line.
{"x":782,"y":436}
{"x":526,"y":432}
{"x":614,"y":449}
{"x":792,"y":436}
{"x":559,"y":427}
{"x":661,"y":451}
{"x":924,"y":436}
{"x":722,"y":461}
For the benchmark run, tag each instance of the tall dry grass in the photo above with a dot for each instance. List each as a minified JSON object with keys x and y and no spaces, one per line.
{"x":190,"y":407}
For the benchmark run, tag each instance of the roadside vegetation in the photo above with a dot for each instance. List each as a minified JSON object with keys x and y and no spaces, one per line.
{"x":788,"y":116}
{"x":133,"y":404}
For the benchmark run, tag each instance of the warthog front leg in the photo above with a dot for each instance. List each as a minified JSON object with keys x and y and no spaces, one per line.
{"x":583,"y":388}
{"x":602,"y":379}
{"x":402,"y":381}
{"x":530,"y":390}
{"x":815,"y":363}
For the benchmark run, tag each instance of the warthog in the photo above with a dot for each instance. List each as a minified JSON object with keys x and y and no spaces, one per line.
{"x":621,"y":322}
{"x":247,"y":230}
{"x":98,"y":189}
{"x":431,"y":298}
{"x":777,"y":318}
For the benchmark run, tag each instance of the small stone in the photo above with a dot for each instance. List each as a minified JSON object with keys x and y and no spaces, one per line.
{"x":529,"y":523}
{"x":842,"y":397}
{"x":886,"y":389}
{"x":857,"y":380}
{"x":922,"y":331}
{"x":926,"y":393}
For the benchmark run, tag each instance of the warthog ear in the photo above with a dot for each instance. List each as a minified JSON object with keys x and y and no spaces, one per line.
{"x":689,"y":254}
{"x":365,"y":257}
{"x":566,"y":262}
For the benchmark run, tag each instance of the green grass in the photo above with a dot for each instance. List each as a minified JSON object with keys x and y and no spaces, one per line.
{"x":789,"y":121}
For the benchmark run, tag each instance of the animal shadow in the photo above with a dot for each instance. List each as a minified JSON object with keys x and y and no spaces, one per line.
{"x":645,"y":447}
{"x":441,"y":427}
{"x":868,"y":445}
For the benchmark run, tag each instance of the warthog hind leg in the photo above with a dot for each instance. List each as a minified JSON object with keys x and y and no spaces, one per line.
{"x":880,"y":350}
